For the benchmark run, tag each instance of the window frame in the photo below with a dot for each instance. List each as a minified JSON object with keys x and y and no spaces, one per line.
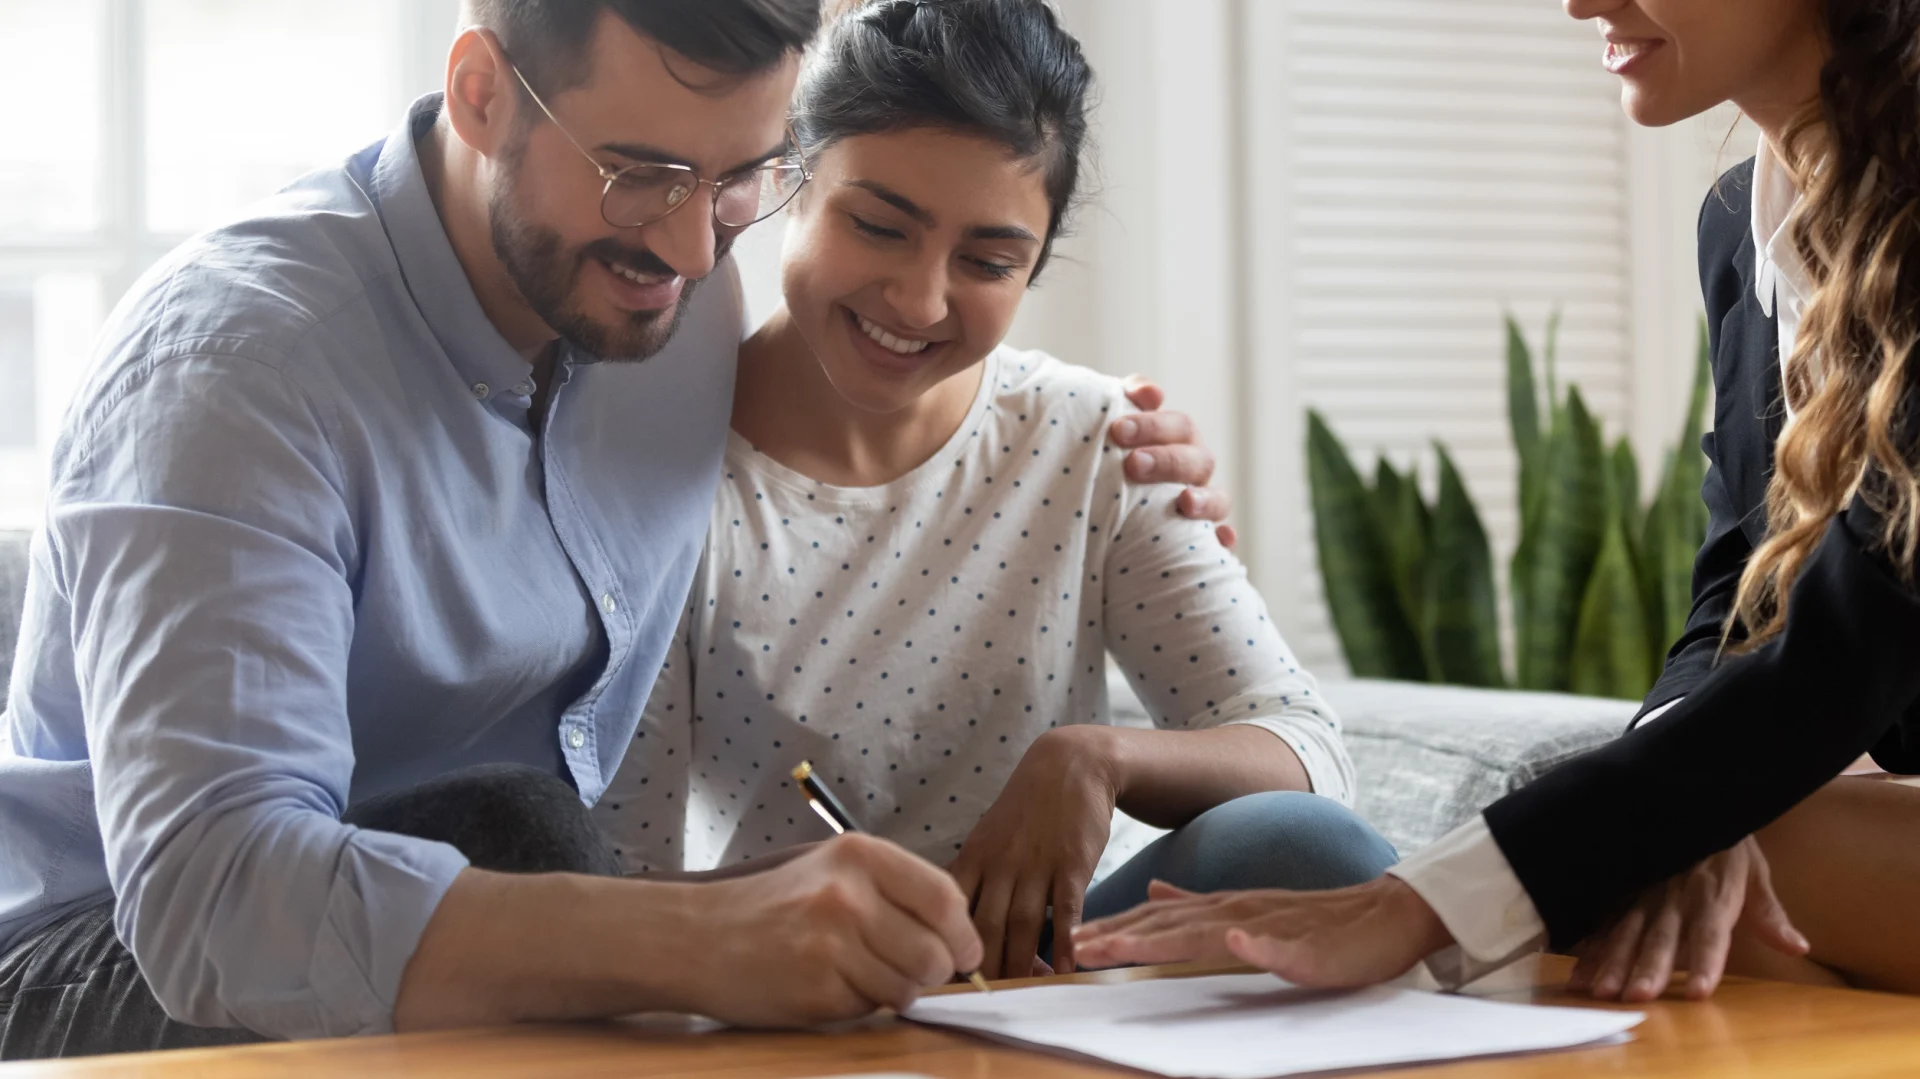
{"x":121,"y":245}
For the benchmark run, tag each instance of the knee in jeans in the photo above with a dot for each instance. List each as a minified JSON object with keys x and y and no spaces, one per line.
{"x":1290,"y":839}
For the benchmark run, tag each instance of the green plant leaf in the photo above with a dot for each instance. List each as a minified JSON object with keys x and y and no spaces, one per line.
{"x":1523,"y":413}
{"x":1612,"y":653}
{"x":1405,"y":521}
{"x":1461,"y":625}
{"x":1552,"y":364}
{"x":1562,"y":535}
{"x":1375,"y":629}
{"x":1624,"y":471}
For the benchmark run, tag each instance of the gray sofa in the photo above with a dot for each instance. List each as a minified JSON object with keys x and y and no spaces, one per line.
{"x":1428,"y":757}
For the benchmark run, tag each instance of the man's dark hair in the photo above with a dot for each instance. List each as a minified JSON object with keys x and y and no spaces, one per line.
{"x":1005,"y":70}
{"x":549,"y":39}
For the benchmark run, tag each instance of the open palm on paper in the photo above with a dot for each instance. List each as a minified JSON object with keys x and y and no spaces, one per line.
{"x":1341,"y":938}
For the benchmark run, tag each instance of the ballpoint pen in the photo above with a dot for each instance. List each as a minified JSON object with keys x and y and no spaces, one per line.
{"x":837,"y":818}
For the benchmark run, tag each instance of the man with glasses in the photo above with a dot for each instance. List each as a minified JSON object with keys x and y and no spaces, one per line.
{"x":366,"y":542}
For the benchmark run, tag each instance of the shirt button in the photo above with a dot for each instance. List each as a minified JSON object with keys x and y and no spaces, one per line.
{"x":576,"y":738}
{"x":607,"y":604}
{"x":525,"y":389}
{"x":481,"y":390}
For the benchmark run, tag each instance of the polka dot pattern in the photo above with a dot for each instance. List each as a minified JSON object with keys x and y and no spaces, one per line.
{"x":912,"y":640}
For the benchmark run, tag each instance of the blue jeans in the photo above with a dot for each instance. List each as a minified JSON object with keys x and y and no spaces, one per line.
{"x":1278,"y":839}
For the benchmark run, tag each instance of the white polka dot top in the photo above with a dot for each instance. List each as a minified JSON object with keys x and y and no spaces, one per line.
{"x":912,"y":640}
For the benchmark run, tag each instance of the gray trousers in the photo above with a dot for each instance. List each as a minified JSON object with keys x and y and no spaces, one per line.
{"x":72,"y":989}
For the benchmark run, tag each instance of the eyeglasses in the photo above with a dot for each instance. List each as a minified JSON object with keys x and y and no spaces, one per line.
{"x":639,"y":195}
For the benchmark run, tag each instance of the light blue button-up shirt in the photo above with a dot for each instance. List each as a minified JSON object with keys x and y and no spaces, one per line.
{"x":304,"y":547}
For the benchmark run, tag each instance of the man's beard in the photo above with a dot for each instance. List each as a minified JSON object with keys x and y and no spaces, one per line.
{"x":547,"y":276}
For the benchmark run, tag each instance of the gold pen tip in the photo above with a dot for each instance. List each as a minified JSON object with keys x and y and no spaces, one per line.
{"x":802,"y":770}
{"x":979,"y":982}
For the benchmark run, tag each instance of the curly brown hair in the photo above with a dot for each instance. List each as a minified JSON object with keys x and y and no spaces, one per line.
{"x":1854,"y":153}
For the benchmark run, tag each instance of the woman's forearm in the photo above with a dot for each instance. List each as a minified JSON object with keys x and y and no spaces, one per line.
{"x":1167,"y":778}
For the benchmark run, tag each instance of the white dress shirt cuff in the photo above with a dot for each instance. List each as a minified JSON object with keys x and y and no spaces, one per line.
{"x":1467,"y":881}
{"x":1657,"y":712}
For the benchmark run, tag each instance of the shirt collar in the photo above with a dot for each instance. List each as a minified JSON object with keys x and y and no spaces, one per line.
{"x":1777,"y":265}
{"x":492,"y":369}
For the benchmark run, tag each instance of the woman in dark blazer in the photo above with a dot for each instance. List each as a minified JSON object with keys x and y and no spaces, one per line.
{"x":1719,"y":824}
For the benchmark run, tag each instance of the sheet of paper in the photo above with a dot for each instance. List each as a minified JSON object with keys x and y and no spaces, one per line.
{"x":1252,"y":1026}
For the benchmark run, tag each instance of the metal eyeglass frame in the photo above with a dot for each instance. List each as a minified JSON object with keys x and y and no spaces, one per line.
{"x":684,"y":194}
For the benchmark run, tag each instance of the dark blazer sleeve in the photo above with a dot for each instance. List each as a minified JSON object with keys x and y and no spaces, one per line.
{"x":1723,"y":556}
{"x":1755,"y":735}
{"x":1750,"y":741}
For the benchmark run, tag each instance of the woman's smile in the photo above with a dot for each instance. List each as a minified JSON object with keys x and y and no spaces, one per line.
{"x":888,"y":351}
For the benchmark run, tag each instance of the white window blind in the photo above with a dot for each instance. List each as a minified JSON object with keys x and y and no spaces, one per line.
{"x":1417,"y":169}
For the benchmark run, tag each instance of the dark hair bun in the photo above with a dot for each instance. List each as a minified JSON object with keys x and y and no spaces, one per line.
{"x":1005,"y":70}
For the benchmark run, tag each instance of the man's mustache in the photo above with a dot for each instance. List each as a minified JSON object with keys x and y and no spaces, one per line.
{"x":641,"y":259}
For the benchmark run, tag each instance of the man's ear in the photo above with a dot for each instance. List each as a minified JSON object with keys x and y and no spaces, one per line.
{"x":481,"y":103}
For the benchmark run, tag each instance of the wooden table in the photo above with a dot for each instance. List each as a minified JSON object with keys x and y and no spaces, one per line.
{"x":1750,"y":1029}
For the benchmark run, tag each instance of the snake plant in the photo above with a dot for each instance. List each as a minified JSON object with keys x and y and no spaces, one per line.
{"x":1599,"y":586}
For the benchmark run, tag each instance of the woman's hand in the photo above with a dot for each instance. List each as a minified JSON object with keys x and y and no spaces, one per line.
{"x":1688,"y":921}
{"x":1167,"y":449}
{"x":1336,"y":939}
{"x":1039,"y":844}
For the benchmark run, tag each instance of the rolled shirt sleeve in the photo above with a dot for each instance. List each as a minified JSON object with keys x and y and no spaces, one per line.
{"x":1198,"y":647}
{"x":207,"y":549}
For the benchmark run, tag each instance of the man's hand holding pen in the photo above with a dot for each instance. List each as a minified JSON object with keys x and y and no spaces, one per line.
{"x":854,"y":924}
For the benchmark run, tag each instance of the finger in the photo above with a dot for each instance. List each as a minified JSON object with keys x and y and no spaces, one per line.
{"x":1026,"y":919}
{"x":1155,"y":916}
{"x":966,"y":877}
{"x":1204,"y":942}
{"x":1160,"y":889}
{"x":1204,"y":504}
{"x":1653,"y":967}
{"x":1190,"y":466}
{"x":1146,"y":430}
{"x":912,"y":949}
{"x":1145,"y":394}
{"x":990,"y":921}
{"x":1125,"y":920}
{"x":1765,"y":915}
{"x":1713,"y":905}
{"x":1622,"y":944}
{"x":1228,"y":537}
{"x":1586,"y":964}
{"x":878,"y":983}
{"x":927,"y":893}
{"x":1708,"y":939}
{"x":1067,"y":897}
{"x":1040,"y":969}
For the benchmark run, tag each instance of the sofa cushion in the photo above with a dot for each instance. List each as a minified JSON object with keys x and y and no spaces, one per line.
{"x":1426,"y":758}
{"x":1430,"y":757}
{"x":13,"y":594}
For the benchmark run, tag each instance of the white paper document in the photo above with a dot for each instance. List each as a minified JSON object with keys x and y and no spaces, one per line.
{"x":1251,"y":1026}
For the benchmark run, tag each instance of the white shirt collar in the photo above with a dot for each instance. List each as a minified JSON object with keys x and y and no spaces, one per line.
{"x":1777,"y":266}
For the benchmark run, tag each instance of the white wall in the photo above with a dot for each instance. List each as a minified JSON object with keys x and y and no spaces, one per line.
{"x":1330,"y":203}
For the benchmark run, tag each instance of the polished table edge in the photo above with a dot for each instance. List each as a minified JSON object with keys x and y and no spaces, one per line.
{"x":1534,"y":980}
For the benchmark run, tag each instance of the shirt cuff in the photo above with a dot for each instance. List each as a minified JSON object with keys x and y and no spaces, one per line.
{"x":1466,"y":879}
{"x":1656,"y":713}
{"x":385,"y":891}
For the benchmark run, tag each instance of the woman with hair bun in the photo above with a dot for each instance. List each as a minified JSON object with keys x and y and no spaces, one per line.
{"x":924,"y":549}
